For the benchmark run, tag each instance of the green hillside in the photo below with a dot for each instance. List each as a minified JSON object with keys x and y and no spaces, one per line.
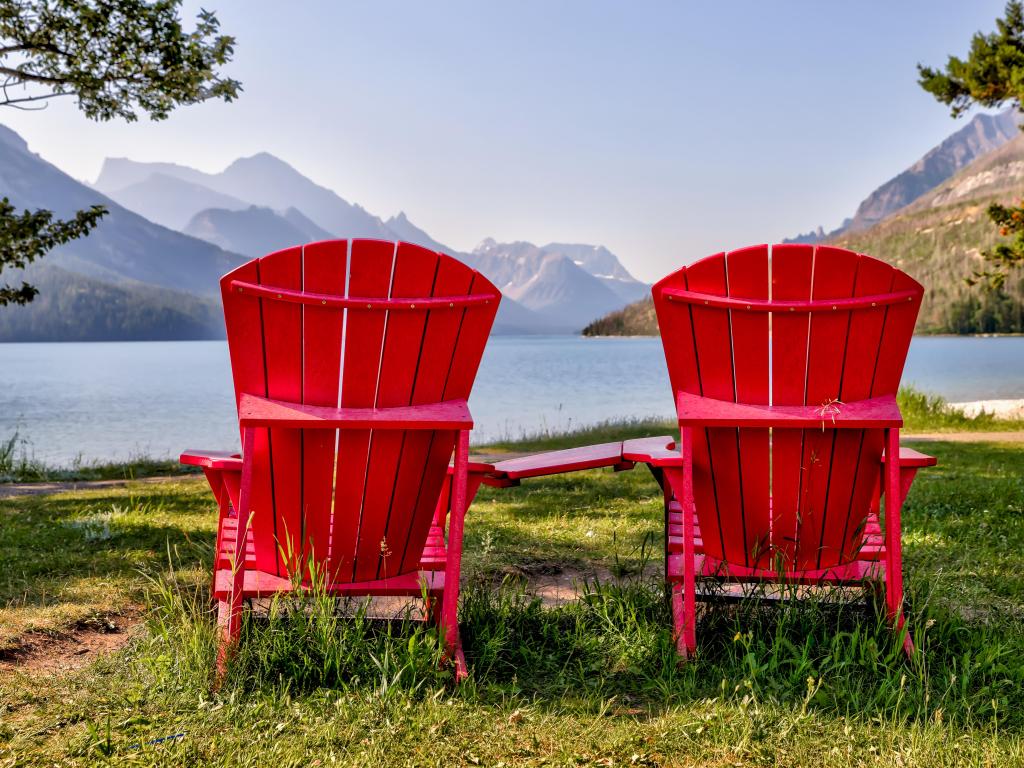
{"x":938,"y":239}
{"x":636,"y":319}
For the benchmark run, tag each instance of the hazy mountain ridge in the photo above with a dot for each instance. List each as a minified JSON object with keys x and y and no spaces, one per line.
{"x":129,"y":279}
{"x":541,"y":294}
{"x":172,"y":202}
{"x":261,"y":180}
{"x":252,"y":207}
{"x":253,"y":231}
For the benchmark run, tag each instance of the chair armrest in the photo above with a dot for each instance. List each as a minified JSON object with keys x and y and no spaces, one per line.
{"x":256,"y":411}
{"x":911,"y":458}
{"x":224,"y":460}
{"x":558,"y":462}
{"x":878,"y":412}
{"x":656,"y":451}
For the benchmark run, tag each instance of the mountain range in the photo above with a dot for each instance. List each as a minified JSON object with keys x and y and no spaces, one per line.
{"x":931,"y":221}
{"x":129,"y":279}
{"x":150,"y":269}
{"x":557,"y":288}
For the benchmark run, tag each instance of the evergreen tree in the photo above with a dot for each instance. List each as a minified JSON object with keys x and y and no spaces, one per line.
{"x":992,"y":75}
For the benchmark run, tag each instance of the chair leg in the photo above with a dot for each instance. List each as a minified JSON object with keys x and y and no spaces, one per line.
{"x":684,"y":596}
{"x":229,"y":624}
{"x":894,"y":494}
{"x":453,"y":566}
{"x":229,"y":611}
{"x":684,"y":619}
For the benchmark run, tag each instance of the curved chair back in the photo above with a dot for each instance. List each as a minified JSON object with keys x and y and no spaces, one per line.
{"x":786,"y":325}
{"x":352,"y":324}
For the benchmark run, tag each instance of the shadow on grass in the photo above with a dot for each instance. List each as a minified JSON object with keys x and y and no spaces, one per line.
{"x":616,"y":642}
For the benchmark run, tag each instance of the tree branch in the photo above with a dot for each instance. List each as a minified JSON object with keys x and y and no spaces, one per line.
{"x":8,"y":102}
{"x":19,"y":75}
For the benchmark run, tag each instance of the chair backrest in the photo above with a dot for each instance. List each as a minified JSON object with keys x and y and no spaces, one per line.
{"x":799,"y":325}
{"x":336,"y":323}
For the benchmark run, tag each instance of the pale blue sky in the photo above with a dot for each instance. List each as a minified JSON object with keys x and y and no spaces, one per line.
{"x":665,"y":131}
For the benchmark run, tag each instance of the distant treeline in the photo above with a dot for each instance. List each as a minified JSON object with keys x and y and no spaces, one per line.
{"x":71,"y":307}
{"x":986,"y":311}
{"x":972,"y":310}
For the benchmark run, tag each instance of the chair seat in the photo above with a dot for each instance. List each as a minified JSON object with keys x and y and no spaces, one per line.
{"x":707,"y":567}
{"x":263,"y":584}
{"x":872,"y":547}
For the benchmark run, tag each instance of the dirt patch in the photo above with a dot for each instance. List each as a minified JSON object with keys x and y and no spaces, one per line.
{"x":8,"y":490}
{"x":52,"y":653}
{"x":557,"y":584}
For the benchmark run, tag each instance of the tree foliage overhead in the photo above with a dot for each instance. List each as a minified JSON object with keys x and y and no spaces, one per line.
{"x":990,"y":76}
{"x":119,"y":59}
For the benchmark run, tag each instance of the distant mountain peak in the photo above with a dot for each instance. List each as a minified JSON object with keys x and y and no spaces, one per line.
{"x":12,"y":139}
{"x":262,"y":161}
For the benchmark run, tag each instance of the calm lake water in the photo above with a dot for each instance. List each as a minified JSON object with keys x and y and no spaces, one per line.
{"x":114,"y":400}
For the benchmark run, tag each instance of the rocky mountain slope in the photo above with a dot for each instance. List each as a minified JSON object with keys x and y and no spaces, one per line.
{"x":982,"y":135}
{"x":636,"y":319}
{"x":567,"y":292}
{"x":938,"y":239}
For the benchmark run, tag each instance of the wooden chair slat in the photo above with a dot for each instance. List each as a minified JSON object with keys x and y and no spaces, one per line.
{"x":282,"y":335}
{"x":370,"y":267}
{"x":835,"y":272}
{"x":378,"y":555}
{"x":748,"y":279}
{"x":859,"y":451}
{"x":717,"y":486}
{"x":791,"y":280}
{"x":418,"y":482}
{"x":444,"y":376}
{"x":324,"y":268}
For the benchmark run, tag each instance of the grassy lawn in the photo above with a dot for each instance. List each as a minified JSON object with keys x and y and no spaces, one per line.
{"x":593,"y":682}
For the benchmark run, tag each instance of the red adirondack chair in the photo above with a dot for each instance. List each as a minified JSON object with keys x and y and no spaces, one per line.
{"x":352,"y":363}
{"x":784,"y":364}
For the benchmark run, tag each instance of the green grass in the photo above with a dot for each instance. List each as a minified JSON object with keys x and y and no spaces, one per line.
{"x":591,"y":683}
{"x":19,"y":465}
{"x":923,"y":412}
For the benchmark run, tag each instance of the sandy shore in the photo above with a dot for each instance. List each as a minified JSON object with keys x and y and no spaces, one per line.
{"x":1003,"y":409}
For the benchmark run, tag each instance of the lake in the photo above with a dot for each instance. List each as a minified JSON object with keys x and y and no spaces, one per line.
{"x":112,"y":400}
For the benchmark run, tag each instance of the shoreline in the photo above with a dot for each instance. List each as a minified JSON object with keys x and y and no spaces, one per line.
{"x":1012,"y":408}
